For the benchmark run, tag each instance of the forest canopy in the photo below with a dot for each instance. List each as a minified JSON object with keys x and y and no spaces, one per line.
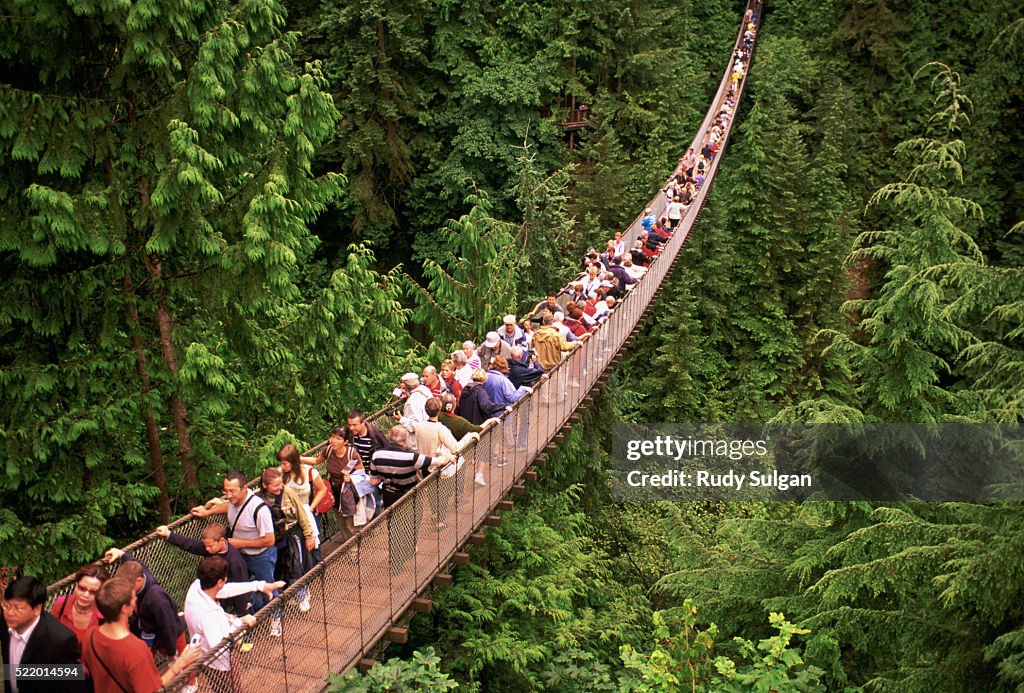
{"x":224,"y":224}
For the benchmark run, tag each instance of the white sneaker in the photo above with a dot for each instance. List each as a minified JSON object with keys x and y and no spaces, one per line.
{"x":275,"y":627}
{"x":304,"y":604}
{"x":479,"y":478}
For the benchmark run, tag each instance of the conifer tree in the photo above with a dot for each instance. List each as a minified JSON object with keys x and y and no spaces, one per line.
{"x":475,"y":284}
{"x":154,"y":231}
{"x":375,"y":58}
{"x":909,"y":339}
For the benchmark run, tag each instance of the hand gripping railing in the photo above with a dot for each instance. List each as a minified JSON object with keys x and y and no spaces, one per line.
{"x":360,"y":590}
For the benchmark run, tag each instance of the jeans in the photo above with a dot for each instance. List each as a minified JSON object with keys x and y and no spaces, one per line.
{"x":261,"y":566}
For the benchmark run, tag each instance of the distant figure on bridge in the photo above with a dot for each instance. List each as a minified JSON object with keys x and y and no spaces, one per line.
{"x":492,"y":347}
{"x":636,"y":271}
{"x":637,"y":253}
{"x":591,"y":282}
{"x":416,"y":395}
{"x":448,"y":376}
{"x":675,"y":212}
{"x":689,"y":162}
{"x":550,"y":303}
{"x":620,"y":244}
{"x":465,"y":364}
{"x":550,"y":344}
{"x":462,"y":428}
{"x":510,"y":333}
{"x":574,"y":321}
{"x":397,"y":467}
{"x":624,"y":277}
{"x":469,"y":349}
{"x":500,"y":388}
{"x":577,"y":292}
{"x":559,"y":324}
{"x":433,"y":382}
{"x":476,"y":405}
{"x":648,"y":219}
{"x":521,"y":371}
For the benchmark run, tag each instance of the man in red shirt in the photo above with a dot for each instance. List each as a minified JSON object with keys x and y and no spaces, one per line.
{"x":117,"y":660}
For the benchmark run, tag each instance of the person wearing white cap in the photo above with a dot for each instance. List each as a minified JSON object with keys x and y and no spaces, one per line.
{"x":648,"y":219}
{"x":492,"y":346}
{"x":414,"y":412}
{"x":511,"y":333}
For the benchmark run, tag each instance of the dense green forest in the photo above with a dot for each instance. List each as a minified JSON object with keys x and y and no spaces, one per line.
{"x":222,"y":224}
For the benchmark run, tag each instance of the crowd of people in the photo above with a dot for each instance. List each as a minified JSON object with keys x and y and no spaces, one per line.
{"x":120,"y":628}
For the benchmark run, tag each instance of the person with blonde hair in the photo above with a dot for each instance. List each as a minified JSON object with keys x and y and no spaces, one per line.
{"x":476,"y":405}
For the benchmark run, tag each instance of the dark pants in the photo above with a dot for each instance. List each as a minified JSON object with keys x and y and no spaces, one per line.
{"x":401,"y":540}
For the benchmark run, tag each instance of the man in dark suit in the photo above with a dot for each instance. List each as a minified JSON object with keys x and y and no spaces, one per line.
{"x":34,"y":637}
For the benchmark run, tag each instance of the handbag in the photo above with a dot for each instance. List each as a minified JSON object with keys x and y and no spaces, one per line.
{"x":327,"y":502}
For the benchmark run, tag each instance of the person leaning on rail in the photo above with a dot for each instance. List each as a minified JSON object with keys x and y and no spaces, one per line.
{"x":434,"y":439}
{"x":156,"y":618}
{"x":213,"y":542}
{"x":207,"y":620}
{"x":398,"y":468}
{"x":250,"y":528}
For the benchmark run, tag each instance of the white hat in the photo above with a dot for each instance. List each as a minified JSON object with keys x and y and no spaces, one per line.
{"x":509,"y":320}
{"x":492,"y":340}
{"x":408,"y":377}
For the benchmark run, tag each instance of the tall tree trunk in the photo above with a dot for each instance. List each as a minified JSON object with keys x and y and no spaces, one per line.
{"x":165,"y":325}
{"x":156,"y":458}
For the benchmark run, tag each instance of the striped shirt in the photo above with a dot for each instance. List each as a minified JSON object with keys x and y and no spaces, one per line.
{"x":398,"y":467}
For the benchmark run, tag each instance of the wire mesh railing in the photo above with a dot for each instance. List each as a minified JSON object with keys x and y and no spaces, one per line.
{"x":358,"y":591}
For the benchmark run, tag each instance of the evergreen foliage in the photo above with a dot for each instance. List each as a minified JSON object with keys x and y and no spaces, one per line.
{"x":155,"y":227}
{"x":475,"y":284}
{"x":420,"y":673}
{"x":197,"y":221}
